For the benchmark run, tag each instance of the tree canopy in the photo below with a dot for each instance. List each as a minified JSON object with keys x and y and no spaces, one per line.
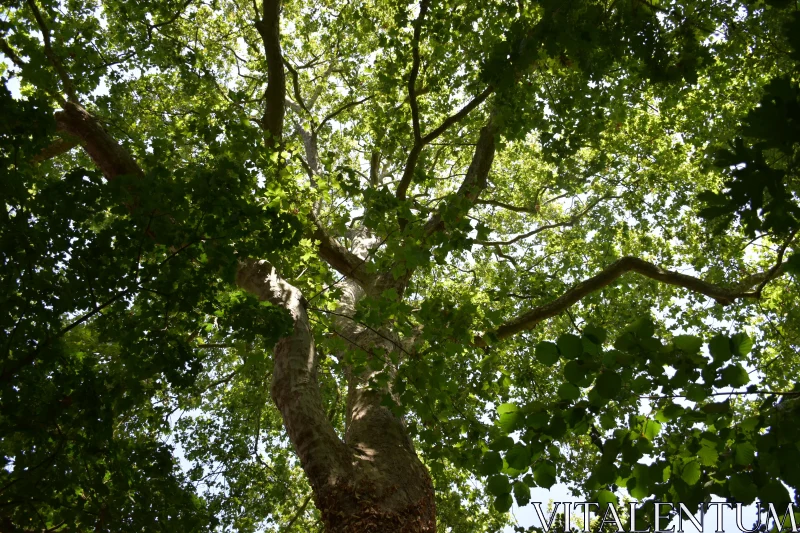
{"x":377,"y":266}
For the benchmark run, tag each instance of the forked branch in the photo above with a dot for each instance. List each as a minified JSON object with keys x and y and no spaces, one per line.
{"x":339,"y":257}
{"x":269,"y":29}
{"x":69,"y":87}
{"x":412,"y":78}
{"x":416,"y":150}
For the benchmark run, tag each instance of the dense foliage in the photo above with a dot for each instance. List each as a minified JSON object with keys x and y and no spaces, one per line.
{"x":611,"y":303}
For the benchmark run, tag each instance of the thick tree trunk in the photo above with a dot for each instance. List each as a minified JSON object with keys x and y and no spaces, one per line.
{"x":372,"y":481}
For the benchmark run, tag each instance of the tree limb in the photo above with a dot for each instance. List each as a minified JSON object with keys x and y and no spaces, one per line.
{"x":10,"y":53}
{"x":412,"y":77}
{"x":459,"y":115}
{"x":722,"y":295}
{"x":56,"y":148}
{"x":295,"y":84}
{"x":339,"y":257}
{"x":416,"y":150}
{"x":571,"y":222}
{"x":477,"y":175}
{"x":69,"y":88}
{"x":295,"y":390}
{"x":269,"y":29}
{"x":297,"y":515}
{"x":112,"y":159}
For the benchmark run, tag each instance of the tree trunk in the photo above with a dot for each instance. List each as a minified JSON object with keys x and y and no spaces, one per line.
{"x":372,"y":481}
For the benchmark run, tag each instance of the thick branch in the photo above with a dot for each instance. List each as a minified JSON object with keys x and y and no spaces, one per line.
{"x":458,"y":116}
{"x":112,"y":159}
{"x":295,"y":84}
{"x":56,"y":148}
{"x":339,"y":257}
{"x":516,"y":208}
{"x":412,"y":78}
{"x":413,"y":156}
{"x":269,"y":29}
{"x":69,"y":88}
{"x":477,"y":175}
{"x":374,"y":168}
{"x":295,"y":390}
{"x":10,"y":53}
{"x":722,"y":295}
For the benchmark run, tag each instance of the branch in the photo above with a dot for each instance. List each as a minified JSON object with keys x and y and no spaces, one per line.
{"x":477,"y":174}
{"x":297,"y":515}
{"x":374,"y":168}
{"x":722,"y":295}
{"x":112,"y":159}
{"x":463,"y":112}
{"x":295,"y":389}
{"x":518,"y":209}
{"x":778,"y":263}
{"x":340,"y":110}
{"x":413,"y":156}
{"x":295,"y":84}
{"x":173,"y":18}
{"x":339,"y":257}
{"x":571,"y":222}
{"x":56,"y":148}
{"x":69,"y":88}
{"x":11,"y":54}
{"x":269,"y":29}
{"x":412,"y":78}
{"x":30,"y":357}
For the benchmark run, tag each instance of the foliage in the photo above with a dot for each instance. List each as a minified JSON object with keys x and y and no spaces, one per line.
{"x":135,"y":375}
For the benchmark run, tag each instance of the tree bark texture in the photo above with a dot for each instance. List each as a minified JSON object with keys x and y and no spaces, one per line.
{"x":372,"y":480}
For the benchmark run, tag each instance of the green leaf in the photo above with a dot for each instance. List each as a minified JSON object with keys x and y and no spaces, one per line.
{"x":545,"y":474}
{"x":651,"y":429}
{"x":568,"y":391}
{"x":774,"y":492}
{"x":519,"y":457}
{"x":574,"y":372}
{"x":691,"y":472}
{"x":609,"y":384}
{"x":606,"y":473}
{"x":491,"y":463}
{"x":720,"y":348}
{"x":498,"y":485}
{"x":745,"y":453}
{"x":522,"y":493}
{"x":509,"y":415}
{"x":547,"y":353}
{"x":503,"y":503}
{"x":742,"y":488}
{"x":606,"y":498}
{"x":742,"y":344}
{"x":734,"y":375}
{"x":597,"y":334}
{"x":688,"y":343}
{"x":570,"y":345}
{"x":793,"y":264}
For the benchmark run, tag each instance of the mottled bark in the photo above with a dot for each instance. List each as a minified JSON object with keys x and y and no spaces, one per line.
{"x":372,"y":481}
{"x":112,"y":159}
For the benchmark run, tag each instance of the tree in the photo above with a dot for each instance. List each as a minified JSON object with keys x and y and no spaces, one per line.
{"x":365,"y":254}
